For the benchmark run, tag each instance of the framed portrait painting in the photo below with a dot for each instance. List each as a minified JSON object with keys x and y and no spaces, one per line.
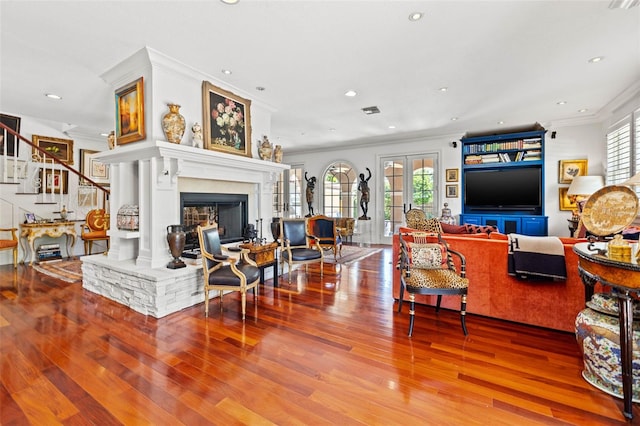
{"x":62,"y":149}
{"x":95,"y":170}
{"x":7,"y":140}
{"x":227,"y":121}
{"x":130,"y":112}
{"x":54,"y":181}
{"x":570,"y":169}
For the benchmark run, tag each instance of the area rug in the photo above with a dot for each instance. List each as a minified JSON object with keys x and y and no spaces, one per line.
{"x":69,"y":270}
{"x":351,"y":254}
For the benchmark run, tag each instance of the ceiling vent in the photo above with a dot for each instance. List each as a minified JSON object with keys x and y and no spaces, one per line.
{"x":371,"y":110}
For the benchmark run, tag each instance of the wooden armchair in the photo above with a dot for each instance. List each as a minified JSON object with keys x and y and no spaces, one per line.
{"x":10,"y":244}
{"x":427,"y":267}
{"x":296,"y":246}
{"x":95,"y":229}
{"x":324,"y":229}
{"x":346,"y":226}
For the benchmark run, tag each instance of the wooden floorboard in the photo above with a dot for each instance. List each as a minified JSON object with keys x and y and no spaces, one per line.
{"x":316,"y":350}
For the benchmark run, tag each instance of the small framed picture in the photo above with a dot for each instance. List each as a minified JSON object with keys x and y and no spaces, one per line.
{"x":570,"y":169}
{"x":30,"y":217}
{"x":93,"y":169}
{"x":452,"y":175}
{"x":54,"y":181}
{"x":452,"y":191}
{"x":566,"y":203}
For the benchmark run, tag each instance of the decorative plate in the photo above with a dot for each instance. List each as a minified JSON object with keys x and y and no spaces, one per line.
{"x":609,"y":210}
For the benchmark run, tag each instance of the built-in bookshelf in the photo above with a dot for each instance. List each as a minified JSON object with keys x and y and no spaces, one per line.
{"x":503,"y":181}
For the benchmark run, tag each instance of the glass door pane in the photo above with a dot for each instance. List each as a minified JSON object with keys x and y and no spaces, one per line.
{"x":422,"y":185}
{"x":394,"y":202}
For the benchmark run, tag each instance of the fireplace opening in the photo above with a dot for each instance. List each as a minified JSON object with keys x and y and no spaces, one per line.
{"x":229,"y":211}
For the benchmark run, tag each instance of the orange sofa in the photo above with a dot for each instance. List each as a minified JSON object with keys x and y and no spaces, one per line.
{"x":493,"y":293}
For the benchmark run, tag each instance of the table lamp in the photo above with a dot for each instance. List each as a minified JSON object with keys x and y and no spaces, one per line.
{"x":581,"y":188}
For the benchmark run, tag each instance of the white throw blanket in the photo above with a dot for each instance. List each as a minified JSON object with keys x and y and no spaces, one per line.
{"x":536,"y":257}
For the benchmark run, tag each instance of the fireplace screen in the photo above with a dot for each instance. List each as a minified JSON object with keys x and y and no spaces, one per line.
{"x":229,"y":211}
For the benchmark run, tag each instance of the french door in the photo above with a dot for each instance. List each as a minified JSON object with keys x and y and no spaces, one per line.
{"x":287,"y":193}
{"x":409,"y":182}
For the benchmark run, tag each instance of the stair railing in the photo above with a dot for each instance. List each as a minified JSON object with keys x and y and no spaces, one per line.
{"x":50,"y":180}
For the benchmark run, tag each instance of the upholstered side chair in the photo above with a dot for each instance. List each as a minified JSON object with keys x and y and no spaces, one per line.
{"x":11,"y":243}
{"x":223,"y":272}
{"x":95,"y":229}
{"x":324,"y":230}
{"x":297,"y":246}
{"x":427,"y":267}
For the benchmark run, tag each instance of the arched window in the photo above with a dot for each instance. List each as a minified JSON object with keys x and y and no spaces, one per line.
{"x":340,"y":190}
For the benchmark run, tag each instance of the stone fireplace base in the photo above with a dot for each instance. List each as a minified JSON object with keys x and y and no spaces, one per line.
{"x":156,"y":292}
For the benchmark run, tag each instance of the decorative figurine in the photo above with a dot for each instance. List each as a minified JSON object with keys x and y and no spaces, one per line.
{"x":111,"y":139}
{"x":266,"y":149}
{"x":311,"y":186}
{"x":197,"y":135}
{"x":277,"y":154}
{"x":363,"y":187}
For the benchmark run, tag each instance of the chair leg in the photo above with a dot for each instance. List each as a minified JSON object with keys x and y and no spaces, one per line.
{"x":86,"y":248}
{"x":401,"y":296}
{"x":244,"y":303}
{"x":438,"y":303}
{"x":412,"y":312}
{"x":220,"y":297}
{"x":15,"y":258}
{"x":463,"y":314}
{"x":206,"y":302}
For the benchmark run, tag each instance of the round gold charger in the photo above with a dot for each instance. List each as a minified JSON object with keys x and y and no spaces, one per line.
{"x":609,"y":210}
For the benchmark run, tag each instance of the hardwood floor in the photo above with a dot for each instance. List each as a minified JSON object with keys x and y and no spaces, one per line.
{"x":330,"y":351}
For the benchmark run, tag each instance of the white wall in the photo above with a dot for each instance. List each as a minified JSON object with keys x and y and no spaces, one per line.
{"x":571,"y":142}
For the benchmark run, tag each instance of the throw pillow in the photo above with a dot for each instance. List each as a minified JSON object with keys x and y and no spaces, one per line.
{"x":427,"y":225}
{"x":428,"y":256}
{"x":476,"y":229}
{"x":453,"y":229}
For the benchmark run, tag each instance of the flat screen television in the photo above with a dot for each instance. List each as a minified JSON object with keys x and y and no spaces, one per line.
{"x":503,"y":190}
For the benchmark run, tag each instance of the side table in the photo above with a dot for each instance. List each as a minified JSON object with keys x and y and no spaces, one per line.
{"x":264,"y":255}
{"x":624,"y":276}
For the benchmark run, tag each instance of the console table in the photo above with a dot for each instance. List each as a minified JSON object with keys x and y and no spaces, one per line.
{"x":30,"y":231}
{"x":624,"y":276}
{"x":264,"y":255}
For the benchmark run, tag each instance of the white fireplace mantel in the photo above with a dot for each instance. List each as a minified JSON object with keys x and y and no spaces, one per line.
{"x":146,"y":174}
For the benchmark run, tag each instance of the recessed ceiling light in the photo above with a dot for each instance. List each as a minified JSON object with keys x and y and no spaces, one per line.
{"x":52,"y":96}
{"x":583,"y":110}
{"x":392,"y":126}
{"x":260,"y":89}
{"x":350,"y":93}
{"x":416,"y":16}
{"x":104,"y":134}
{"x":454,"y":118}
{"x":227,"y":72}
{"x":443,"y":89}
{"x":596,"y":59}
{"x":561,"y":103}
{"x":332,"y":129}
{"x":500,"y":122}
{"x":230,"y":1}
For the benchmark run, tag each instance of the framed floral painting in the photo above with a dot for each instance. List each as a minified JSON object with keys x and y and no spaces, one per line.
{"x":227,"y":121}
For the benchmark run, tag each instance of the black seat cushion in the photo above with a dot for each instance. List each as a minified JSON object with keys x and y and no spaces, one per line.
{"x":224,"y":275}
{"x":299,"y":255}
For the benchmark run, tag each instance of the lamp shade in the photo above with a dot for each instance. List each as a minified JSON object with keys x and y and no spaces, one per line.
{"x":633,"y":180}
{"x":585,"y":185}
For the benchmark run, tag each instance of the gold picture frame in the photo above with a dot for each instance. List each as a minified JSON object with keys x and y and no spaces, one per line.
{"x":451,"y":175}
{"x":568,"y":169}
{"x":566,"y":203}
{"x":62,"y":149}
{"x":452,"y":191}
{"x":130,"y":112}
{"x":95,"y":170}
{"x":54,"y":181}
{"x":227,"y":121}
